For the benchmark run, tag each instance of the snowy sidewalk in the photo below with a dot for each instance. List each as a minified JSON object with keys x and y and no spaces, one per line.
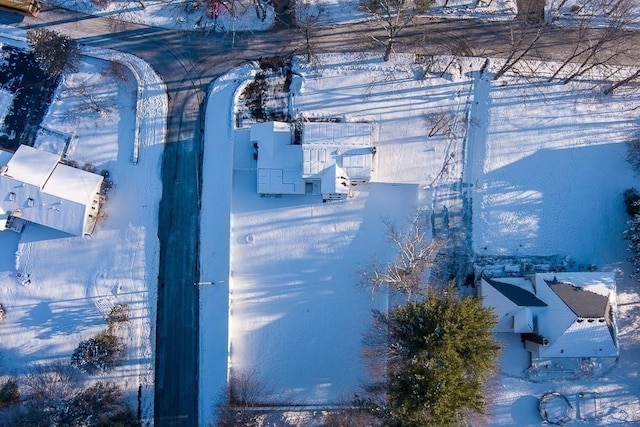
{"x":215,"y":217}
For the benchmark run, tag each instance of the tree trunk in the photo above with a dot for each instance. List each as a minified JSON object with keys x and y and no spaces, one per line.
{"x":387,"y":52}
{"x":622,"y":82}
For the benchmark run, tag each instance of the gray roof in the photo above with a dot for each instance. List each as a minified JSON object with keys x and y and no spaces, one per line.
{"x":519,"y":296}
{"x":582,"y":302}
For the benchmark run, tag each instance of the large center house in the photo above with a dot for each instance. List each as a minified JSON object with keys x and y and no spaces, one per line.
{"x":36,"y":187}
{"x":324,"y":158}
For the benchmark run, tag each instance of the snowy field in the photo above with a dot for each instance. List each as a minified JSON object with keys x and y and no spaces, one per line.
{"x":56,"y":288}
{"x":546,"y":164}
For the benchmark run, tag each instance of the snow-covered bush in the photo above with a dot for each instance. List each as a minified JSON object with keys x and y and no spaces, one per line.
{"x":118,"y":314}
{"x":632,"y":201}
{"x":101,"y":404}
{"x":53,"y":395}
{"x":98,"y":354}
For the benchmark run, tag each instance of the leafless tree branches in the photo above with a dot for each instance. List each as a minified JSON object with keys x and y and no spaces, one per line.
{"x":393,"y":16}
{"x":307,"y":19}
{"x":416,"y":252}
{"x":521,"y":44}
{"x":595,"y":47}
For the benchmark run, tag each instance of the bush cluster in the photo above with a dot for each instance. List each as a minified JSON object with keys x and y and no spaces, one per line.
{"x":98,"y":354}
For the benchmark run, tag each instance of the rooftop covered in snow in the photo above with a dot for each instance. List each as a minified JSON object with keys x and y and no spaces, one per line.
{"x":284,"y":166}
{"x":35,"y":186}
{"x":569,"y":313}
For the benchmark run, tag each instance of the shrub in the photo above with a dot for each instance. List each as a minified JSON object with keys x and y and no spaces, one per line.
{"x":9,"y":393}
{"x":99,"y":405}
{"x":632,"y":201}
{"x":633,"y":153}
{"x":98,"y":354}
{"x":118,"y":314}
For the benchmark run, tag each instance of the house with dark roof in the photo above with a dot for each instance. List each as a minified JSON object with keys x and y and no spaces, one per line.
{"x":558,"y":315}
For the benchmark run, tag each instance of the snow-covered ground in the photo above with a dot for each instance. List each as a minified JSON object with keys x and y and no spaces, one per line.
{"x":56,"y":287}
{"x":197,"y":15}
{"x":187,"y":15}
{"x":546,"y":165}
{"x":594,"y":13}
{"x":549,"y":170}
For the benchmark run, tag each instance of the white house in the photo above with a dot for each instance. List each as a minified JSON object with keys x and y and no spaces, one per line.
{"x":556,"y":314}
{"x":329,"y":159}
{"x":36,"y":187}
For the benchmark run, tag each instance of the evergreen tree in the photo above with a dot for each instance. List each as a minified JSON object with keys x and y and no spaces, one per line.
{"x":632,"y":234}
{"x":631,"y":201}
{"x":54,"y":52}
{"x":439,"y":354}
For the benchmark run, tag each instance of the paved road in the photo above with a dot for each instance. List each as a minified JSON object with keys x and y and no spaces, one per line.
{"x":188,"y":62}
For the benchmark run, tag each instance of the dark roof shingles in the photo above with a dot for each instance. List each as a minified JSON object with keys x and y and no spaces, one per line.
{"x":583,"y":303}
{"x":519,"y":296}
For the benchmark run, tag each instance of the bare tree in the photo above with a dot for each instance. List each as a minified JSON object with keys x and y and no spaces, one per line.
{"x":416,"y":251}
{"x":632,"y":77}
{"x":54,"y":395}
{"x":440,"y":122}
{"x":446,"y":46}
{"x":521,"y":42}
{"x":47,"y":391}
{"x":307,"y":19}
{"x":238,"y":405}
{"x":393,"y":16}
{"x":595,"y":47}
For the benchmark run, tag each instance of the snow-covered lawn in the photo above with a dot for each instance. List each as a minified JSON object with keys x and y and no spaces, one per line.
{"x":56,"y":288}
{"x":551,"y":169}
{"x":548,"y":173}
{"x":545,"y":164}
{"x":296,"y":311}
